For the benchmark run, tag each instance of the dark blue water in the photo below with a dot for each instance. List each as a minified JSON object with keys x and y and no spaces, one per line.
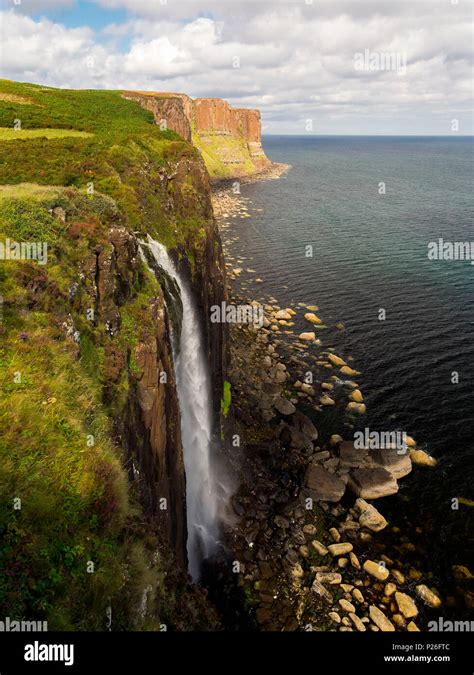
{"x":370,"y":253}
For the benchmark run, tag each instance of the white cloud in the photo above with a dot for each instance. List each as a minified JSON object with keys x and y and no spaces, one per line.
{"x":36,"y":6}
{"x":296,"y":61}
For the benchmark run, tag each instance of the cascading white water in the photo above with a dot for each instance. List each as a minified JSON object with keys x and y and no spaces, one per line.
{"x":194,"y":393}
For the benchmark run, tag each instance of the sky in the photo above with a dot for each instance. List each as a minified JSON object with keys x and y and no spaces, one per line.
{"x":310,"y":66}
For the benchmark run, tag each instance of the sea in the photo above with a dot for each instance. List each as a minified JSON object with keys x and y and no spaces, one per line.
{"x":367,"y":229}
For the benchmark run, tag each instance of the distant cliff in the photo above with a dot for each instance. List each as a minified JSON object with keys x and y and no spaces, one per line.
{"x":229,"y":138}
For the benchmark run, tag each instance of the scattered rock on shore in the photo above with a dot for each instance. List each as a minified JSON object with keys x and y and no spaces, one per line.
{"x":322,"y":485}
{"x":336,"y":360}
{"x":428,"y":596}
{"x":340,"y":549}
{"x":380,"y":620}
{"x":312,"y":318}
{"x":422,"y":458}
{"x":406,"y":605}
{"x":284,"y":406}
{"x":380,"y":572}
{"x":307,"y":337}
{"x":372,"y":483}
{"x":369,"y":516}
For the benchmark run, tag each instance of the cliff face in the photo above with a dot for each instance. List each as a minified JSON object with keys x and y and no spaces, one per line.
{"x":201,"y":259}
{"x":171,"y":111}
{"x":229,"y":138}
{"x":91,"y":336}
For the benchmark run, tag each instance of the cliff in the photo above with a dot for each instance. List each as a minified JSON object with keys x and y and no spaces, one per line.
{"x":92,"y":444}
{"x":228,"y":138}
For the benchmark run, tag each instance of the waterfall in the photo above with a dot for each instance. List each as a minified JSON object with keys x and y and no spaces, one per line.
{"x":194,"y":393}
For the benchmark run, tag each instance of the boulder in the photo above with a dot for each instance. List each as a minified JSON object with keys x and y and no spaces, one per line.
{"x":406,"y":605}
{"x":358,"y":597}
{"x":283,"y":314}
{"x":331,"y":578}
{"x":358,"y":408}
{"x":312,"y":318}
{"x":354,"y":560}
{"x":335,"y":535}
{"x":380,"y":572}
{"x":347,"y":370}
{"x":309,"y":529}
{"x":351,"y":456}
{"x":297,"y":571}
{"x":326,"y":400}
{"x":321,"y":456}
{"x":346,"y":605}
{"x":372,"y":483}
{"x":428,"y":597}
{"x":357,"y":622}
{"x":422,"y":458}
{"x":322,"y":485}
{"x":321,"y":591}
{"x":307,"y":337}
{"x":396,"y":462}
{"x":389,"y":589}
{"x":369,"y":516}
{"x":356,"y":395}
{"x":319,"y":548}
{"x":340,"y":549}
{"x":284,"y":406}
{"x":304,"y":424}
{"x":380,"y":620}
{"x":336,"y":360}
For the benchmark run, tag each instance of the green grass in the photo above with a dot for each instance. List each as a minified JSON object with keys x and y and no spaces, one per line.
{"x":215,"y":148}
{"x":7,"y":134}
{"x":31,"y":190}
{"x":98,"y":139}
{"x":226,"y":398}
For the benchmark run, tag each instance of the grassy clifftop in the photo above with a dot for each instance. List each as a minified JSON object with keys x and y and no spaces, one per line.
{"x":75,"y":539}
{"x":116,"y":149}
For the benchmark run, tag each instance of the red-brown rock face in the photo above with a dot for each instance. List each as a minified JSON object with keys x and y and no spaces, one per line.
{"x":171,"y":111}
{"x":214,"y":115}
{"x":203,"y":120}
{"x":249,"y":125}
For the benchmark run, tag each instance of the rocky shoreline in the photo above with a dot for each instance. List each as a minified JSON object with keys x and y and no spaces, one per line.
{"x":306,"y":540}
{"x":222,"y":187}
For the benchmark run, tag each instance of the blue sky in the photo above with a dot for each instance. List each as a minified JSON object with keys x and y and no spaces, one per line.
{"x":84,"y":13}
{"x":330,"y":67}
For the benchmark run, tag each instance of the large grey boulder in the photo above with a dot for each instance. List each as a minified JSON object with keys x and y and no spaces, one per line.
{"x":372,"y":483}
{"x":284,"y":406}
{"x":351,"y":456}
{"x":322,"y":485}
{"x":393,"y":460}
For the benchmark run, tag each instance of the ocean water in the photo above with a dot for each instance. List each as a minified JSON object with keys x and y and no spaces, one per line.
{"x":370,"y":253}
